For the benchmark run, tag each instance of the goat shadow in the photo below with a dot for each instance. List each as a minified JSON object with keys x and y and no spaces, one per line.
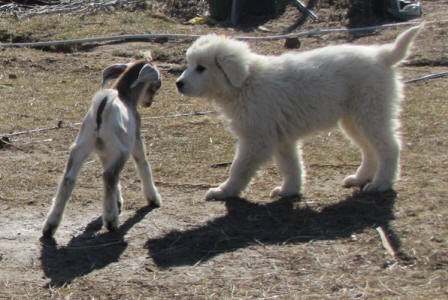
{"x":86,"y":252}
{"x":283,"y":221}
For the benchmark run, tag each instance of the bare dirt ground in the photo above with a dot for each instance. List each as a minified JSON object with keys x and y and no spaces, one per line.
{"x":324,"y":246}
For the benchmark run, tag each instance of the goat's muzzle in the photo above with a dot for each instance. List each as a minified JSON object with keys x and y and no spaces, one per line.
{"x":147,"y":104}
{"x":150,"y":93}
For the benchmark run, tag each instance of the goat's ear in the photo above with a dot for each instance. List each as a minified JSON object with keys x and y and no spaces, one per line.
{"x":112,"y":72}
{"x":148,"y":73}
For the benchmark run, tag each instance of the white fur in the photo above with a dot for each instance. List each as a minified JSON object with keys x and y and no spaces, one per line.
{"x":273,"y":101}
{"x":115,"y":138}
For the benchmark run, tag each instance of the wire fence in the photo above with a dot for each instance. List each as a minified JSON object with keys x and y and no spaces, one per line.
{"x":60,"y":124}
{"x":154,"y":36}
{"x":192,"y":36}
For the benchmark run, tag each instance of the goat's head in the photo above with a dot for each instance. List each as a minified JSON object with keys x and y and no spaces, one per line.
{"x":137,"y":82}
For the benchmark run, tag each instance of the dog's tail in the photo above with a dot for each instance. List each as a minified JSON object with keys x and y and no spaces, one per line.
{"x":392,"y":54}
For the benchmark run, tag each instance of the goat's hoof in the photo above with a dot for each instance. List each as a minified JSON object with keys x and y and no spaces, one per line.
{"x":154,"y":204}
{"x":111,"y":227}
{"x":49,"y":230}
{"x":157,"y":202}
{"x":154,"y":200}
{"x":119,"y":205}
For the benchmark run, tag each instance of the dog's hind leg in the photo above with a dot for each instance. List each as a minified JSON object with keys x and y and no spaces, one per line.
{"x":387,"y":147}
{"x":288,"y":158}
{"x":378,"y":131}
{"x":367,"y":169}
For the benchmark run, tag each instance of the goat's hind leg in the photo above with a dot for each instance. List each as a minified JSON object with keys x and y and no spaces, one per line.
{"x":78,"y":153}
{"x":144,"y":170}
{"x":112,"y":200}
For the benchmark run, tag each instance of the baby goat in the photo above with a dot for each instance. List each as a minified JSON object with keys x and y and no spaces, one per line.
{"x":112,"y":128}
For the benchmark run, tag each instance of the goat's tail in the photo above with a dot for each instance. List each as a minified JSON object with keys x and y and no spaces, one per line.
{"x":99,"y":102}
{"x":392,"y":54}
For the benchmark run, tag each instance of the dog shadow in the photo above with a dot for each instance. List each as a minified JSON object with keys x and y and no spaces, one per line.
{"x":283,"y":221}
{"x":86,"y":252}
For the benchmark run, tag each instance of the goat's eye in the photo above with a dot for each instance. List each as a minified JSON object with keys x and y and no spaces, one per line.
{"x":200,"y":69}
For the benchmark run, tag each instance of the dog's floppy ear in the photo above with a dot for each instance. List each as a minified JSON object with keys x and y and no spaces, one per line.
{"x":112,"y":72}
{"x":234,"y":68}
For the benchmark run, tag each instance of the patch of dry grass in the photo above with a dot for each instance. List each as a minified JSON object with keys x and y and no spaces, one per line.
{"x":56,"y":26}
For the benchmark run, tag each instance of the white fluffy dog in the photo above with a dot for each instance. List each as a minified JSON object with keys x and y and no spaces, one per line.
{"x":273,"y":101}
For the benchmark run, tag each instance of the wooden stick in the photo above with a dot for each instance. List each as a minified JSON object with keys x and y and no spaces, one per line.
{"x":302,"y":7}
{"x":385,"y":241}
{"x":432,"y":76}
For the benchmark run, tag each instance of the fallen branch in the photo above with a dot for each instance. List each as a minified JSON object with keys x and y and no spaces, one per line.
{"x":185,"y":185}
{"x":4,"y":142}
{"x":427,"y":77}
{"x":385,"y":241}
{"x":126,"y":37}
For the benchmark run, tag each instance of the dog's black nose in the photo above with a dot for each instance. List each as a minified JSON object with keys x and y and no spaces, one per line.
{"x":179,"y":84}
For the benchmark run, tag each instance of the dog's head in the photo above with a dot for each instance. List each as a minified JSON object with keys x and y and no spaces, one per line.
{"x":215,"y":65}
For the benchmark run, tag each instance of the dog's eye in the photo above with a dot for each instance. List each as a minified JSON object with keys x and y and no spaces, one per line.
{"x":200,"y":68}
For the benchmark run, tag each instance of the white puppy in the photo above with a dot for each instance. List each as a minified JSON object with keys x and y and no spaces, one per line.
{"x":273,"y":101}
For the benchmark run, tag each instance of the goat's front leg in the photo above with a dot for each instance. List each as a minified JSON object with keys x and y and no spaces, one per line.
{"x":112,"y":200}
{"x":144,"y":169}
{"x":79,"y":151}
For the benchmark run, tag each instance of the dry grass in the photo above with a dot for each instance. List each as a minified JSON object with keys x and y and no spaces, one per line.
{"x":324,"y":246}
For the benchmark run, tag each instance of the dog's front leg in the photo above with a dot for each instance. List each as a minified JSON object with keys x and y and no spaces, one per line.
{"x":248,"y":158}
{"x":288,"y":159}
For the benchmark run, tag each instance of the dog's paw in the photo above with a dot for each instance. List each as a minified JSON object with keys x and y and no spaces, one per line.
{"x":377,"y":187}
{"x":279,"y":192}
{"x":353,"y":181}
{"x":217,"y":194}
